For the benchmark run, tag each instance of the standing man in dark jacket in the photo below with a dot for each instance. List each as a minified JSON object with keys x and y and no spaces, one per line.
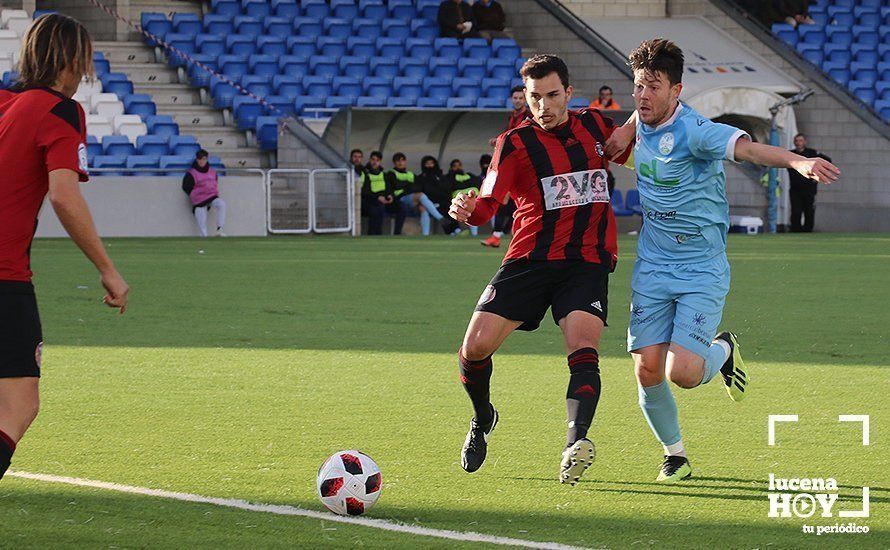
{"x":456,"y":20}
{"x":490,"y":19}
{"x":376,"y":194}
{"x":802,"y":192}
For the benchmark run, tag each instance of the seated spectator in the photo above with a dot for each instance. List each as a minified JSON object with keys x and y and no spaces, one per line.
{"x":409,"y":196}
{"x":376,"y":195}
{"x":431,"y":182}
{"x":201,"y":184}
{"x":462,"y":182}
{"x":490,"y":19}
{"x":456,"y":20}
{"x":605,"y":102}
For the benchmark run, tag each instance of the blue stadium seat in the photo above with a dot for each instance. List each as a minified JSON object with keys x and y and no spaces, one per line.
{"x":811,"y":52}
{"x":271,"y":45}
{"x":371,"y":101}
{"x":839,"y":35}
{"x":811,"y":34}
{"x":321,"y":65}
{"x":413,"y":67}
{"x":443,"y":67}
{"x":883,"y":69}
{"x":867,"y":16}
{"x":115,"y":83}
{"x":267,"y":132}
{"x":138,"y":163}
{"x":839,"y":72}
{"x":258,"y":85}
{"x":93,"y":148}
{"x":187,"y":23}
{"x":429,"y":9}
{"x":496,"y":88}
{"x":863,"y":90}
{"x":505,"y":48}
{"x":500,"y":68}
{"x":185,"y":43}
{"x":139,"y":104}
{"x":256,"y":8}
{"x":408,"y":87}
{"x":882,"y":106}
{"x":307,"y":27}
{"x":424,"y":28}
{"x":447,"y":47}
{"x":869,"y":56}
{"x":332,"y":46}
{"x":220,"y":25}
{"x":317,"y":9}
{"x":246,"y":110}
{"x":248,"y":26}
{"x":786,"y":33}
{"x":841,"y":19}
{"x":461,"y":103}
{"x":308,"y":103}
{"x":175,"y":162}
{"x":490,"y":103}
{"x":156,"y":24}
{"x":218,"y":165}
{"x":866,"y":36}
{"x":110,"y":161}
{"x":864,"y":73}
{"x":884,"y":50}
{"x":477,"y":47}
{"x":439,"y":88}
{"x":318,"y":86}
{"x":210,"y":44}
{"x":354,"y":66}
{"x":617,"y":202}
{"x":882,"y":89}
{"x":240,"y":44}
{"x":100,"y":64}
{"x":263,"y":65}
{"x":162,"y":125}
{"x":402,"y":10}
{"x":396,"y":28}
{"x":401,"y":102}
{"x":302,"y":46}
{"x":361,"y":46}
{"x":335,"y":102}
{"x":285,"y":8}
{"x":337,"y":27}
{"x":228,"y":8}
{"x":419,"y":48}
{"x":152,"y":145}
{"x":183,"y":145}
{"x":293,"y":65}
{"x":9,"y":78}
{"x":365,"y":27}
{"x":376,"y":86}
{"x":432,"y":102}
{"x":281,"y":27}
{"x":373,"y":9}
{"x":390,"y":47}
{"x":222,"y":93}
{"x":344,"y":9}
{"x":287,"y":86}
{"x":384,"y":66}
{"x":199,"y":77}
{"x":472,"y":68}
{"x":345,"y":86}
{"x":117,"y":145}
{"x":579,"y":102}
{"x":467,"y":88}
{"x":837,"y":53}
{"x":233,"y":66}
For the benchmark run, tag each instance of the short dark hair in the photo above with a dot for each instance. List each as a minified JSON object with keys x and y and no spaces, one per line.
{"x":659,"y":56}
{"x":800,"y":135}
{"x":377,"y":154}
{"x":354,"y":151}
{"x":202,"y":154}
{"x":453,"y":161}
{"x":399,"y":156}
{"x":605,"y":87}
{"x":540,"y":66}
{"x":485,"y":159}
{"x":517,"y":89}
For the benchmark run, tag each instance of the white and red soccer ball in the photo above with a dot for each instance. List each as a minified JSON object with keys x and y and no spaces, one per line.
{"x":349,"y":483}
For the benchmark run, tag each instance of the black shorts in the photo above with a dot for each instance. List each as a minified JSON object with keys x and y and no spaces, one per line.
{"x":522,"y":290}
{"x":21,"y":338}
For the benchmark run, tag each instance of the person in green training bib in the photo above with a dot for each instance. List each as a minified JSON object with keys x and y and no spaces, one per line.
{"x":462,"y":182}
{"x":409,"y":196}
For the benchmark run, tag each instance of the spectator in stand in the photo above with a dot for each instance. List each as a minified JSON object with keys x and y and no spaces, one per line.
{"x":409,"y":196}
{"x":432,"y":184}
{"x":376,"y":195}
{"x":456,"y":20}
{"x":490,"y":19}
{"x":462,"y":182}
{"x":201,"y":184}
{"x":793,"y":12}
{"x":802,"y":191}
{"x":520,"y":111}
{"x":605,"y":102}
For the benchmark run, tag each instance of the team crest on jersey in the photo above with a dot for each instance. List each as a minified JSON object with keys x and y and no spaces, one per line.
{"x":599,"y":150}
{"x":487,"y":295}
{"x":82,"y":157}
{"x":666,"y":144}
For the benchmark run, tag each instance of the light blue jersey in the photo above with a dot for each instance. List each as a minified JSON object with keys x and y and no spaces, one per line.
{"x":680,"y":178}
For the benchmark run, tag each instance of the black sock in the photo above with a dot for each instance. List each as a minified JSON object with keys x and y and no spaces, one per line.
{"x":7,"y":447}
{"x":476,"y":377}
{"x":583,"y":393}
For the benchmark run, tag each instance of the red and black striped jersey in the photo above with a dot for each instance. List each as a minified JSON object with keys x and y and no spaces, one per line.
{"x":558,"y":180}
{"x":517,"y":117}
{"x":41,"y":130}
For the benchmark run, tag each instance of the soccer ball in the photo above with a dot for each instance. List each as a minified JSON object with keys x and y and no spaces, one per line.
{"x":349,"y":482}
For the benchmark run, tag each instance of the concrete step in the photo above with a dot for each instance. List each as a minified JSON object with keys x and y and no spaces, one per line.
{"x":167,"y":7}
{"x":241,"y":157}
{"x":147,"y":73}
{"x":189,"y":116}
{"x":170,"y":94}
{"x":218,"y":137}
{"x":126,"y":52}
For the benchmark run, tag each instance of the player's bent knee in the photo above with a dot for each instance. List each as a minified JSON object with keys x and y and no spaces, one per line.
{"x":683,"y":375}
{"x":476,"y":349}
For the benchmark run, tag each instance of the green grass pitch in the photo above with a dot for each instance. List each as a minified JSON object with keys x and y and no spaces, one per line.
{"x":238,"y":370}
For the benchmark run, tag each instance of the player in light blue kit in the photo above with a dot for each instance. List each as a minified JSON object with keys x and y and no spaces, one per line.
{"x":681,"y":276}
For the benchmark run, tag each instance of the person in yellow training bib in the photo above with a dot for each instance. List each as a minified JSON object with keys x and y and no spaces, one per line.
{"x":462,"y":182}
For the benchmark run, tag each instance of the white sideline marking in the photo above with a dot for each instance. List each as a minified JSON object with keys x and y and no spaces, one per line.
{"x":283,"y":510}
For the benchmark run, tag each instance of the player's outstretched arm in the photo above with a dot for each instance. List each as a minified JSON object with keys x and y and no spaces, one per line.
{"x":621,"y":137}
{"x":73,"y":212}
{"x":817,"y":169}
{"x":470,"y":209}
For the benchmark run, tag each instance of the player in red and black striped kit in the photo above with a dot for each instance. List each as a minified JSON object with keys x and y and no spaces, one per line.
{"x":562,"y":252}
{"x":42,"y":144}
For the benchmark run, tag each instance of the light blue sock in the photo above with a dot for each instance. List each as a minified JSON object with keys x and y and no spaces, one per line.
{"x":718,"y":353}
{"x":474,"y":230}
{"x":660,"y":410}
{"x":430,"y":207}
{"x":425,"y":223}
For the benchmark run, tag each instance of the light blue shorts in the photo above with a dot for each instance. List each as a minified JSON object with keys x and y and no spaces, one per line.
{"x":680,"y":303}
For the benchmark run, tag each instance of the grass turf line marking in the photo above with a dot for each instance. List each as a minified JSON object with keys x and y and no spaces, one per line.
{"x":283,"y":510}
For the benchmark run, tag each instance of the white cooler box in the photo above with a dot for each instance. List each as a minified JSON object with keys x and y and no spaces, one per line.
{"x":751,"y":225}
